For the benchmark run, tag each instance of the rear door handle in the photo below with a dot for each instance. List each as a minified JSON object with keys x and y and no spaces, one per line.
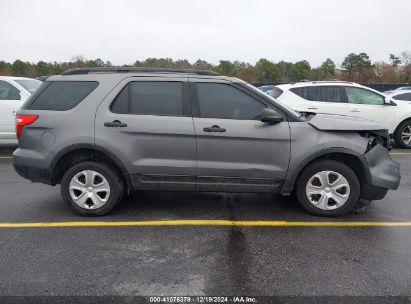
{"x":115,"y":124}
{"x":214,"y":128}
{"x":312,"y":108}
{"x":355,"y":110}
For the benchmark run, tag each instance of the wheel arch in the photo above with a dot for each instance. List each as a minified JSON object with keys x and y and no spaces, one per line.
{"x":82,"y":152}
{"x":351,"y":158}
{"x":401,"y":122}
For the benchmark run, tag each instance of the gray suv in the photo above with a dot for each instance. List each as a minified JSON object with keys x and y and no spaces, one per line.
{"x":101,"y":133}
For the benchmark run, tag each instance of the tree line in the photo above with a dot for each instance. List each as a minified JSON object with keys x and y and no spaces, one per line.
{"x":355,"y":67}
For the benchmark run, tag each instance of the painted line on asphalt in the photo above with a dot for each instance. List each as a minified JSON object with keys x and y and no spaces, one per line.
{"x":6,"y":157}
{"x":205,"y":223}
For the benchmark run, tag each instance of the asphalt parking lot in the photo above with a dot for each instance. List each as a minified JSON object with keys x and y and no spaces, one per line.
{"x":370,"y":256}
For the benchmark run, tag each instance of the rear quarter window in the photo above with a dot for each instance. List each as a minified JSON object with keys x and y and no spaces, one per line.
{"x":276,"y":92}
{"x":60,"y":95}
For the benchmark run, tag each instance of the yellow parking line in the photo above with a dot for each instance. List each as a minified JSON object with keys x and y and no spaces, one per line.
{"x":206,"y":223}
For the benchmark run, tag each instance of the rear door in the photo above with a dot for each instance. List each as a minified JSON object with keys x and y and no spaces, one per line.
{"x":235,"y":150}
{"x":147,"y":123}
{"x":11,"y":99}
{"x":323,"y":99}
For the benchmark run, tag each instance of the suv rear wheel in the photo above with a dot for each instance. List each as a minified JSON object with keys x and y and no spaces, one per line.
{"x":92,"y":188}
{"x":328,"y":188}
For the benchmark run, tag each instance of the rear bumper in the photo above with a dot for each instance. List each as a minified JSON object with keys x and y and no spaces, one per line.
{"x":34,"y":174}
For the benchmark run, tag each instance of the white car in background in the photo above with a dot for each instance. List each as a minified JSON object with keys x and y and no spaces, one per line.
{"x":404,"y":95}
{"x":351,"y":99}
{"x":13,"y":93}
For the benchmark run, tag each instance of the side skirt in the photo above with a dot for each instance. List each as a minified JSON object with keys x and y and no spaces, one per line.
{"x":203,"y":183}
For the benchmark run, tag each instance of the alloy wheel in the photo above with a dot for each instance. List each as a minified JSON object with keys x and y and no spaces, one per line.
{"x":406,"y":135}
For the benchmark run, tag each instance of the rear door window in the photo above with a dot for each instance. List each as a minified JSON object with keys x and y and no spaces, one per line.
{"x":320,"y":93}
{"x":60,"y":95}
{"x":405,"y":96}
{"x":150,"y":97}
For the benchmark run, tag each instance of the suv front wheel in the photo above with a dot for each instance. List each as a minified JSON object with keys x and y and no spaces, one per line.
{"x":92,"y":188}
{"x":328,"y":188}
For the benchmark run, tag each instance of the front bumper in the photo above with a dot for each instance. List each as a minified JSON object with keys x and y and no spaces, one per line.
{"x":384,"y":173}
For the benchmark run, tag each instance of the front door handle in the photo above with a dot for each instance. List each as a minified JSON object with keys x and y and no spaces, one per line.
{"x":355,"y":110}
{"x":115,"y":124}
{"x":214,"y":128}
{"x":312,"y":108}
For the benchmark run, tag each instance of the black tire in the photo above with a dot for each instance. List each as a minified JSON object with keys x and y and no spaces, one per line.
{"x":328,"y":165}
{"x":398,"y":134}
{"x":113,"y":178}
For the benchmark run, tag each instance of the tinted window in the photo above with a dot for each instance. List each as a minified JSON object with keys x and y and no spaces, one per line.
{"x":62,"y":95}
{"x":405,"y":96}
{"x":148,"y":97}
{"x":276,"y":92}
{"x":8,"y":91}
{"x":320,"y":93}
{"x":363,"y":96}
{"x":224,"y":101}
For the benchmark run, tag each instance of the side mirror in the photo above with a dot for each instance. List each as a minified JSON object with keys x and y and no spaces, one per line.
{"x":271,"y":116}
{"x":387,"y":100}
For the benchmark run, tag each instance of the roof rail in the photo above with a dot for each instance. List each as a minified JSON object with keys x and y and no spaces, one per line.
{"x":79,"y":71}
{"x":332,"y":81}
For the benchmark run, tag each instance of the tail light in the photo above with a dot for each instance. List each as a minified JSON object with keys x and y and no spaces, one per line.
{"x":24,"y":120}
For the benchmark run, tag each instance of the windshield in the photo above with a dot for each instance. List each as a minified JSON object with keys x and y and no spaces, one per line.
{"x":30,"y":85}
{"x":275,"y":101}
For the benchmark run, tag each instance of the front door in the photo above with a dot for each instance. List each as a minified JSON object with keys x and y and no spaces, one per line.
{"x":147,"y":123}
{"x":235,"y":150}
{"x":370,"y":105}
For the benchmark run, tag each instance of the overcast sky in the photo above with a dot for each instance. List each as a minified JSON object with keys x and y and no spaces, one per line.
{"x":123,"y":31}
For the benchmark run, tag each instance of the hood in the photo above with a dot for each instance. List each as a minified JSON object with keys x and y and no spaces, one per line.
{"x":330,"y":122}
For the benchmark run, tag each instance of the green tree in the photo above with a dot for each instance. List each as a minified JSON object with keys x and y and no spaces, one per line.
{"x":19,"y":68}
{"x":395,"y":60}
{"x":182,"y":64}
{"x":202,"y":65}
{"x":42,"y":68}
{"x":327,"y":69}
{"x":285,"y":71}
{"x":350,"y":64}
{"x":268,"y":71}
{"x":300,"y":70}
{"x":356,"y":66}
{"x":225,"y":67}
{"x":5,"y":68}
